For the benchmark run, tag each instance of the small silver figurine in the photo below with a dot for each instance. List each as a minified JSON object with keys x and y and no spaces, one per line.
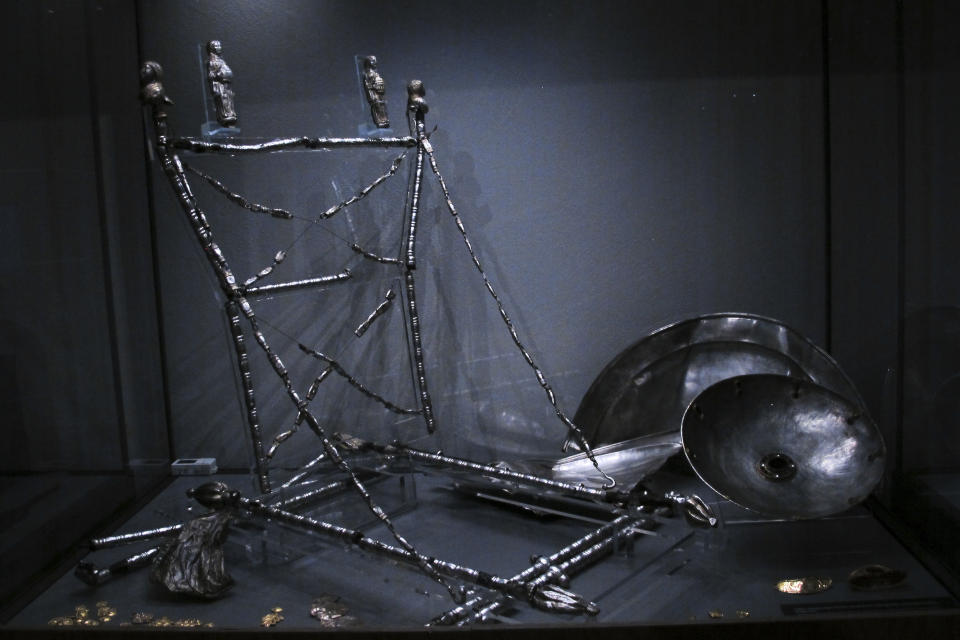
{"x":151,"y":87}
{"x":416,"y":102}
{"x":374,"y":89}
{"x":219,"y":76}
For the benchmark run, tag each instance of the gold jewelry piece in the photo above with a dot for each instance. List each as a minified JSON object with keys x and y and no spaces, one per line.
{"x":804,"y":585}
{"x":273,"y":618}
{"x":105,"y":613}
{"x":188,"y":623}
{"x":81,"y":616}
{"x":148,"y":619}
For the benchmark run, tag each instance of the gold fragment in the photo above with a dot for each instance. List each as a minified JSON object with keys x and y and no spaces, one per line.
{"x":142,"y":618}
{"x":272,"y":619}
{"x":163,"y":621}
{"x":105,"y":613}
{"x":715,"y":613}
{"x":804,"y":586}
{"x":741,"y":613}
{"x":188,"y":623}
{"x":81,"y":616}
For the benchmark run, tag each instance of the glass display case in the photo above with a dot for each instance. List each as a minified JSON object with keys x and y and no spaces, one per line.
{"x":377,"y":316}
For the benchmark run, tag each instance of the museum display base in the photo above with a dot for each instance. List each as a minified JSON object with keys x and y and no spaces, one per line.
{"x":678,"y":576}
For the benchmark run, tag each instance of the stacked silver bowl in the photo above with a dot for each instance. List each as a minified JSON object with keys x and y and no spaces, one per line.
{"x":765,"y":417}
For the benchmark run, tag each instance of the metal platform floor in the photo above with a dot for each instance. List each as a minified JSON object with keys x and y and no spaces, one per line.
{"x":678,"y":575}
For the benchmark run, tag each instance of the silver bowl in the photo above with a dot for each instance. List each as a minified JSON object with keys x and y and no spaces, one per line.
{"x":783,"y":447}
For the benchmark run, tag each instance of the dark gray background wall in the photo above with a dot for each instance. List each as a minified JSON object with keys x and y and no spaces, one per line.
{"x":81,"y":386}
{"x":621,"y":168}
{"x":931,"y":262}
{"x":80,"y":377}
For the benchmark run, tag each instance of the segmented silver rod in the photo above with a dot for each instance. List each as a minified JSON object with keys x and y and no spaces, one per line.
{"x":136,"y":560}
{"x":438,"y":459}
{"x":108,"y":542}
{"x":546,"y":566}
{"x":360,"y":195}
{"x":515,"y":587}
{"x":95,"y":576}
{"x":173,"y":169}
{"x":459,"y":612}
{"x":373,"y":256}
{"x":423,"y":562}
{"x":541,"y":379}
{"x":376,"y":313}
{"x":489,"y":608}
{"x":286,"y":144}
{"x":295,"y":502}
{"x":409,"y":261}
{"x":411,"y":255}
{"x":426,"y":404}
{"x":154,"y":95}
{"x":263,"y":273}
{"x":277,"y":212}
{"x":238,"y":199}
{"x":278,"y":440}
{"x":249,"y":397}
{"x":562,"y":565}
{"x":312,"y":392}
{"x":356,"y":384}
{"x":304,"y":470}
{"x":299,"y":284}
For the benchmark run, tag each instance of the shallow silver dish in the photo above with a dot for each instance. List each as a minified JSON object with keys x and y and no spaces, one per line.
{"x":783,"y":447}
{"x":629,"y":461}
{"x":646,"y":389}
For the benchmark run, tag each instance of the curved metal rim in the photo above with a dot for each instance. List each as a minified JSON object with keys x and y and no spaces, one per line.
{"x":686,"y":452}
{"x":595,"y":387}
